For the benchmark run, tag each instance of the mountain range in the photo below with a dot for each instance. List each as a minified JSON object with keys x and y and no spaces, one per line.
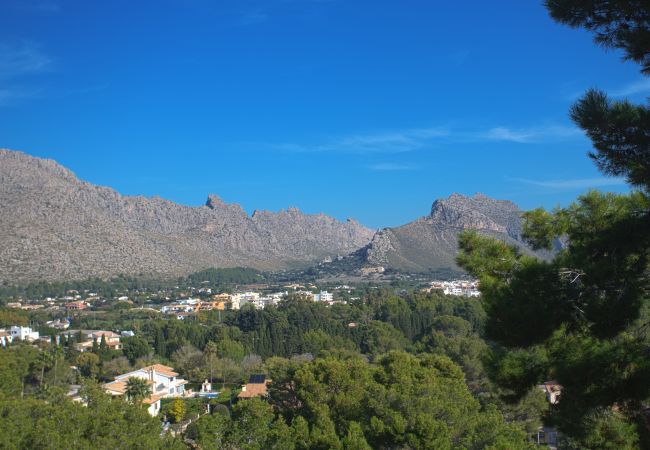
{"x":54,"y":226}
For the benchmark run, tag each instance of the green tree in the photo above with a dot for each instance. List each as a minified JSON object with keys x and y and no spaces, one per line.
{"x":31,"y":423}
{"x":178,"y":410}
{"x":619,"y":24}
{"x":578,"y":318}
{"x":135,"y":348}
{"x":355,"y":440}
{"x":103,"y":347}
{"x":253,"y":426}
{"x":88,"y":364}
{"x":137,"y":389}
{"x":115,"y":366}
{"x":160,"y":343}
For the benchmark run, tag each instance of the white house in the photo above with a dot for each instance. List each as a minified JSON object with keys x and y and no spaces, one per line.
{"x":24,"y":333}
{"x":241,"y":298}
{"x":58,"y":324}
{"x":324,"y":296}
{"x":5,"y":338}
{"x":177,"y":308}
{"x":162,"y":379}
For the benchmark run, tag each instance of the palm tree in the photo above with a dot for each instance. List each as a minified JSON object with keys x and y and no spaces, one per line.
{"x":137,"y":389}
{"x":44,"y":361}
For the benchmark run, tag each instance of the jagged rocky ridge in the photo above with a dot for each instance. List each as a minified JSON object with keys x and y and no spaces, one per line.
{"x":54,"y":226}
{"x":431,"y":243}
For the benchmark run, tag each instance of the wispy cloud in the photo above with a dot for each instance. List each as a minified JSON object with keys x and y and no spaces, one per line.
{"x":13,"y":95}
{"x":532,"y":135}
{"x":637,"y":87}
{"x":573,"y":184}
{"x":24,"y":58}
{"x":507,"y":134}
{"x":387,"y":142}
{"x":408,"y":140}
{"x":17,"y":61}
{"x":36,"y":6}
{"x":390,"y":167}
{"x":460,"y":57}
{"x":257,"y":12}
{"x":254,"y":17}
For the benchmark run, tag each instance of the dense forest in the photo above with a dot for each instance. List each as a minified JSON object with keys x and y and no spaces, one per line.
{"x":387,"y":371}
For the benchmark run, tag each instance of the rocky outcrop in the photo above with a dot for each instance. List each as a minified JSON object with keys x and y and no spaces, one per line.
{"x":54,"y":226}
{"x":431,"y":242}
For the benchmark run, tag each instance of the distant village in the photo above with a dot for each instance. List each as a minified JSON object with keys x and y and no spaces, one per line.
{"x":186,"y":307}
{"x":182,"y":307}
{"x":461,"y":288}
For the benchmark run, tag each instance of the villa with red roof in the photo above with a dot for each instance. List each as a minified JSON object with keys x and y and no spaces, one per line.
{"x":163,"y":380}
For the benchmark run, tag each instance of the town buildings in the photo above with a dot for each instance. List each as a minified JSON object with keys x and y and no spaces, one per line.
{"x":463,"y":288}
{"x":93,"y":337}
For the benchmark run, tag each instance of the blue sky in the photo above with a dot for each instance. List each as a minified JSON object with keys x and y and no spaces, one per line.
{"x":364,"y":109}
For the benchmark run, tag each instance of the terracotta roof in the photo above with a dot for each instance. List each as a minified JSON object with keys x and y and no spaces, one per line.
{"x":253,"y":390}
{"x":108,"y":334}
{"x":165,"y":370}
{"x":152,"y":399}
{"x":120,"y":386}
{"x":116,"y":386}
{"x":4,"y":333}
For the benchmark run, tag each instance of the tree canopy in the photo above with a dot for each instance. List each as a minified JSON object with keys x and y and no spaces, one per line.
{"x":582,"y":318}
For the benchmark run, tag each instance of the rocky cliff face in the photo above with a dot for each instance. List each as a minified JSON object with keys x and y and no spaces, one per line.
{"x":431,"y":242}
{"x":54,"y":226}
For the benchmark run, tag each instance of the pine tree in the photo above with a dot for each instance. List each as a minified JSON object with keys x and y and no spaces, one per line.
{"x":581,"y":318}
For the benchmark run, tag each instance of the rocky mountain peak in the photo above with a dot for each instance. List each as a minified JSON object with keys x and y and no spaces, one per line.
{"x":478,"y":212}
{"x":214,"y":201}
{"x":431,"y":242}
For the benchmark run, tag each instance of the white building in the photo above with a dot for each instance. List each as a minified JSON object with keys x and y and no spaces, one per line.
{"x":5,"y":338}
{"x":241,"y":298}
{"x":24,"y":334}
{"x":324,"y":296}
{"x":464,"y":288}
{"x":162,"y":379}
{"x":177,"y":308}
{"x":59,"y":324}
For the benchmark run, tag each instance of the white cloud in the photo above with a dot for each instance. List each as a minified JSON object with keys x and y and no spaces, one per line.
{"x":36,"y":6}
{"x":573,"y":184}
{"x":637,"y":87}
{"x":532,"y":135}
{"x":402,"y":141}
{"x":388,"y":142}
{"x":390,"y":167}
{"x":8,"y":96}
{"x":21,"y":59}
{"x":254,"y":17}
{"x":460,"y":57}
{"x":506,"y":134}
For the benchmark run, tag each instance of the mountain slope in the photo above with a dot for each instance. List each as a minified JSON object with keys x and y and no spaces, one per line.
{"x":54,"y":226}
{"x":431,"y":242}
